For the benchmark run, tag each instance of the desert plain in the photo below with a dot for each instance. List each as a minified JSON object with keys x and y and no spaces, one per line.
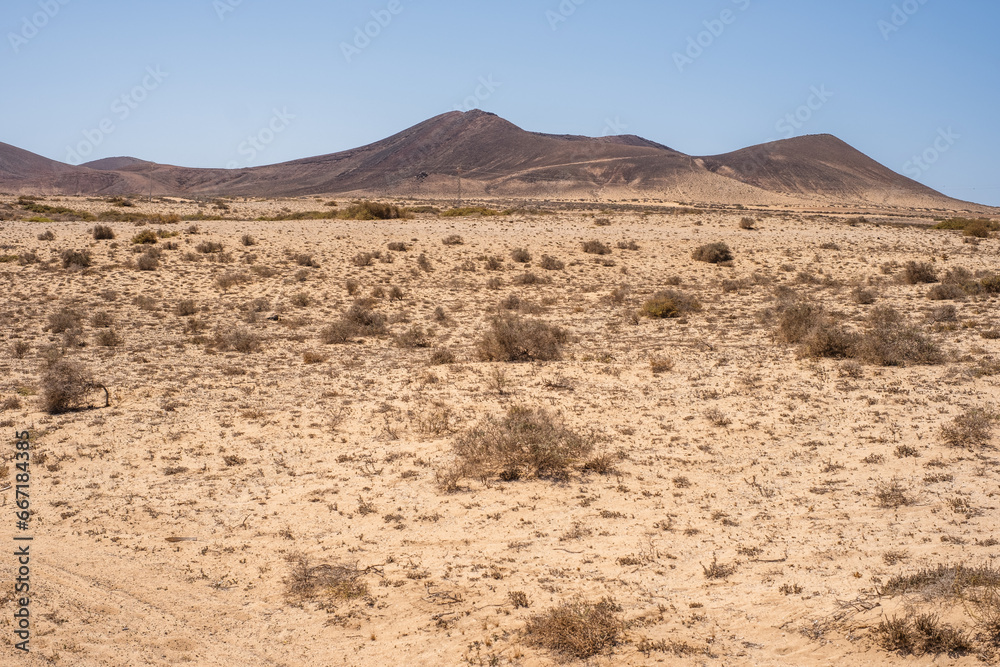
{"x":743,"y":477}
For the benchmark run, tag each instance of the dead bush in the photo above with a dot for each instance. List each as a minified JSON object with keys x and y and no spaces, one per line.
{"x":578,"y":629}
{"x":513,"y":338}
{"x":103,"y":233}
{"x":66,"y":385}
{"x":670,"y":303}
{"x":330,"y":581}
{"x":453,"y":239}
{"x":713,"y":253}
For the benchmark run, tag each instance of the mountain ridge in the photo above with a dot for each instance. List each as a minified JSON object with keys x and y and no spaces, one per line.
{"x":494,"y":157}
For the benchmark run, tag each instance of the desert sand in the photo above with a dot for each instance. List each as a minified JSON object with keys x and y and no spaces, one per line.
{"x":747,"y":507}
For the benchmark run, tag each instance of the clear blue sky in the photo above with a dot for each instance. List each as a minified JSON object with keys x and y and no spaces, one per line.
{"x":923,"y":82}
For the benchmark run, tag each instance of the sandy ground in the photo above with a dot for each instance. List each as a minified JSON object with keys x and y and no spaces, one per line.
{"x":741,"y":453}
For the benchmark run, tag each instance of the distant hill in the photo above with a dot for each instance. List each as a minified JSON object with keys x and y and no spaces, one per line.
{"x":494,"y":157}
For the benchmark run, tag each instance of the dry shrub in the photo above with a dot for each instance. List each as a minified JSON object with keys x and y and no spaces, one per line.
{"x":863,"y":296}
{"x":670,"y":303}
{"x":359,"y":320}
{"x":232,"y":278}
{"x":248,"y":240}
{"x":78,"y":258}
{"x":185,"y":307}
{"x":398,"y":246}
{"x":513,"y":338}
{"x":918,"y":272}
{"x":525,"y":441}
{"x":946,"y":292}
{"x":108,"y":338}
{"x":369,"y":210}
{"x":747,"y":223}
{"x":363,"y":259}
{"x":972,"y":428}
{"x":713,"y":253}
{"x":453,"y":239}
{"x":64,"y":319}
{"x":103,"y":233}
{"x":596,"y":248}
{"x":920,"y":634}
{"x":66,"y":385}
{"x":991,"y":284}
{"x":147,"y":236}
{"x":892,"y":494}
{"x":240,"y":339}
{"x":628,"y":245}
{"x":889,"y":340}
{"x":578,"y":629}
{"x":519,"y":255}
{"x":442,"y":356}
{"x":102,"y":319}
{"x":828,"y":340}
{"x":147,"y":262}
{"x":415,"y":336}
{"x":208,"y":247}
{"x":550,"y":263}
{"x":305,"y":259}
{"x":531,"y":278}
{"x":336,"y":581}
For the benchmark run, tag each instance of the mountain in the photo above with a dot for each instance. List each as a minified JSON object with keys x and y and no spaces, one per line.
{"x":494,"y":157}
